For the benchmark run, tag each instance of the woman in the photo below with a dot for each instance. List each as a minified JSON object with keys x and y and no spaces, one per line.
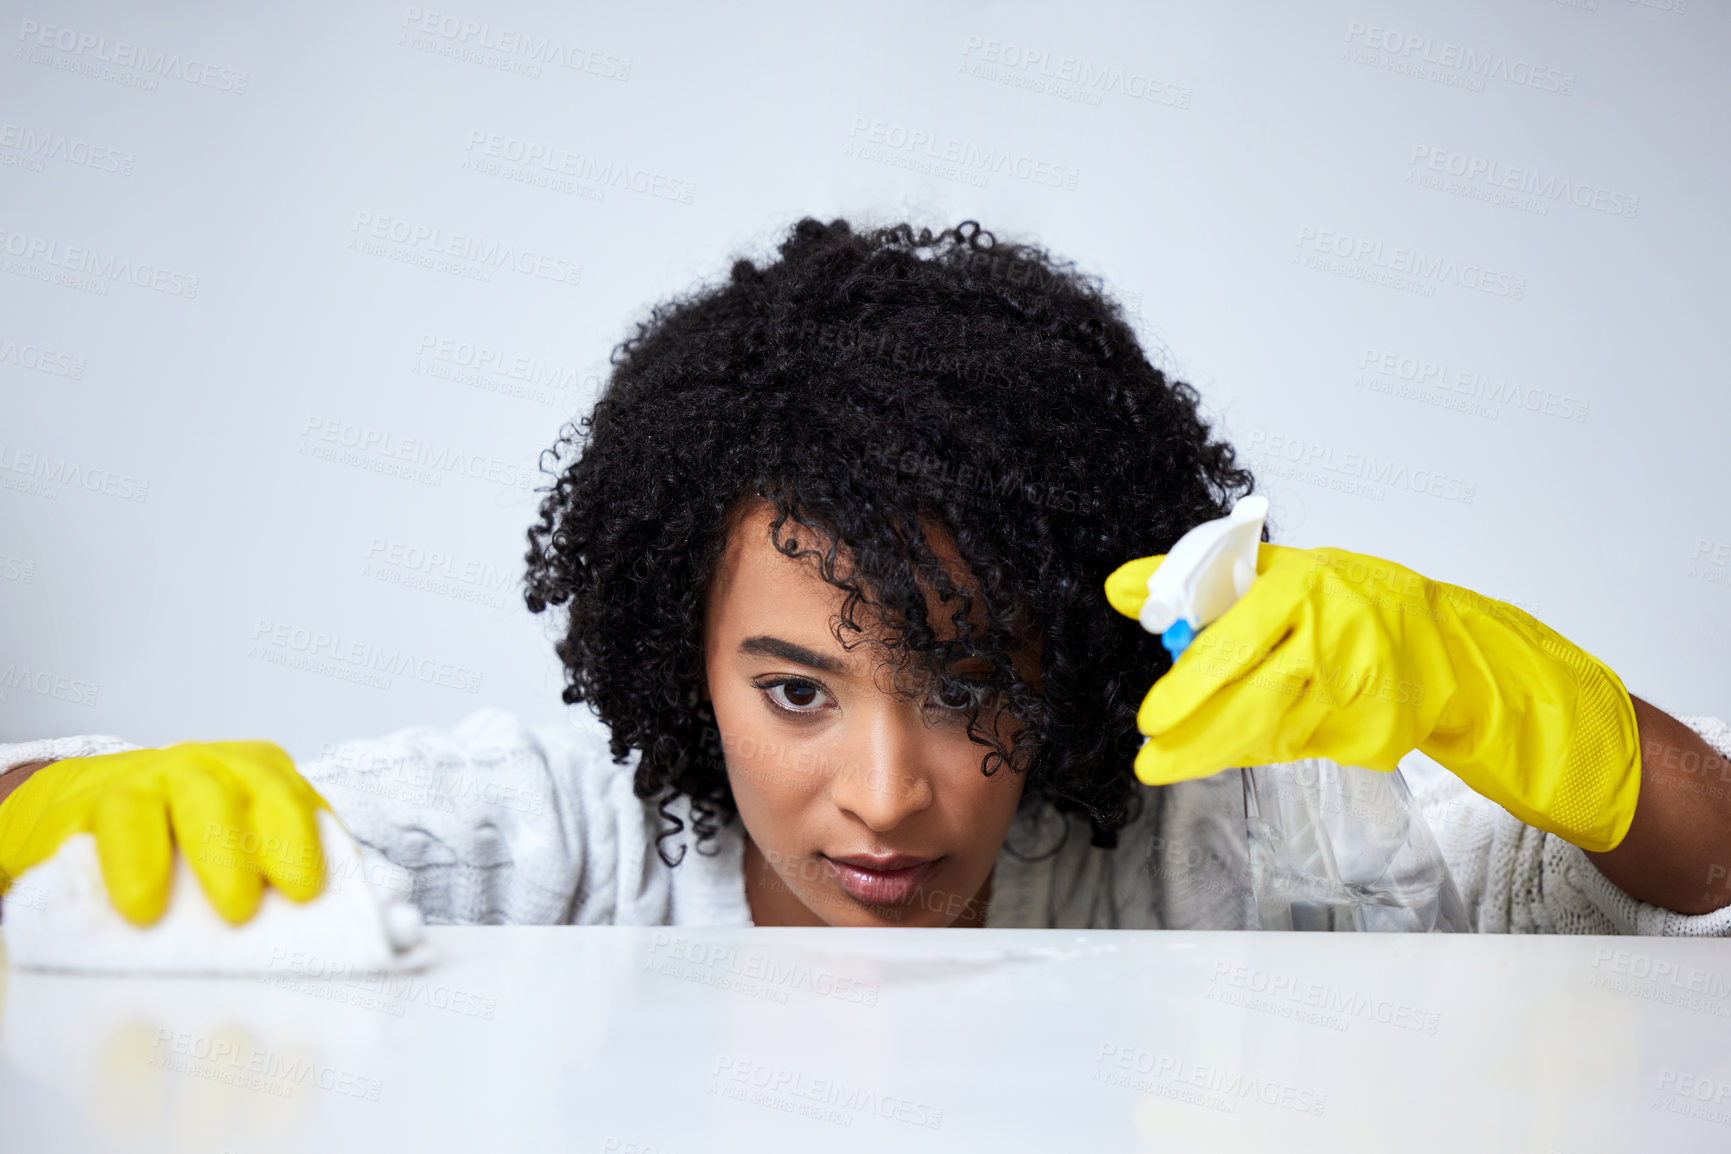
{"x":839,"y":525}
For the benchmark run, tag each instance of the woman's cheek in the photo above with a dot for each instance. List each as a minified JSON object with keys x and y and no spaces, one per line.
{"x":774,"y":786}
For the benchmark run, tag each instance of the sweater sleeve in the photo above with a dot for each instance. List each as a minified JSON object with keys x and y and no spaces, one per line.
{"x":500,"y":824}
{"x":1517,"y":879}
{"x":58,"y":748}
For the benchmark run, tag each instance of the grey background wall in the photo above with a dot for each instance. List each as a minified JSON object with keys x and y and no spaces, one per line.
{"x":294,"y":295}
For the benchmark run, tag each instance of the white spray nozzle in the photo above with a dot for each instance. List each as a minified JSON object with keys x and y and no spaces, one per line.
{"x":1209,"y":568}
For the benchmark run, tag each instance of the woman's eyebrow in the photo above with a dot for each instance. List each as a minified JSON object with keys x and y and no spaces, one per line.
{"x":786,"y":650}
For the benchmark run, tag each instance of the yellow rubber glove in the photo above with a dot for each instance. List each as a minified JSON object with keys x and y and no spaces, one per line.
{"x":238,"y":810}
{"x":1359,"y":660}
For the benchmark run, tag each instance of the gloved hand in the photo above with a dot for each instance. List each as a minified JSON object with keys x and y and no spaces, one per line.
{"x":1359,"y":660}
{"x":238,"y":810}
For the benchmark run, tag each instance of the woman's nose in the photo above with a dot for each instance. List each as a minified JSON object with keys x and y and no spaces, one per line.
{"x":884,"y":780}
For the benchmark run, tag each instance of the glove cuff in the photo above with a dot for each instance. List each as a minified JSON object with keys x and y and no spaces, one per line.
{"x":1597,"y":786}
{"x":1545,"y":729}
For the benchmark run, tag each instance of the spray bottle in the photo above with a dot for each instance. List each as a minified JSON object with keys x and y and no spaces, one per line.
{"x":1332,"y":847}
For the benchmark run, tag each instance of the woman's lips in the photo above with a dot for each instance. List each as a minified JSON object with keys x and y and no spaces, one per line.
{"x":868,"y":881}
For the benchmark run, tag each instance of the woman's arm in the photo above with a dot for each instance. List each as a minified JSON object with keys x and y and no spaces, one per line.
{"x":11,"y":779}
{"x":1678,"y":849}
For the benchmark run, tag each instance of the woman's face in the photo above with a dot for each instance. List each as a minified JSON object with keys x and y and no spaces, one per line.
{"x":860,"y":809}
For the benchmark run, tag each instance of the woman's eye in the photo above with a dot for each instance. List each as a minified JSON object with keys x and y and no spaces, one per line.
{"x":959,"y":697}
{"x":793,"y":696}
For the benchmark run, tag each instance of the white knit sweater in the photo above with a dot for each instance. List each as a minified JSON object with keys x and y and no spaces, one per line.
{"x":501,"y":823}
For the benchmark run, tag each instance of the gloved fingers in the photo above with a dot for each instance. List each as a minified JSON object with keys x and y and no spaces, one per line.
{"x":130,"y":823}
{"x":289,"y":850}
{"x":285,"y":812}
{"x":256,"y":764}
{"x":1164,"y":762}
{"x":283,"y":809}
{"x":209,"y":812}
{"x":1274,"y":716}
{"x":1370,"y":736}
{"x":1266,"y":717}
{"x":1271,"y":623}
{"x":1127,"y":587}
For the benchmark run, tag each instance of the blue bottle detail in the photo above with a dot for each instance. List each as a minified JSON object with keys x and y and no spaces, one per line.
{"x":1177,"y":639}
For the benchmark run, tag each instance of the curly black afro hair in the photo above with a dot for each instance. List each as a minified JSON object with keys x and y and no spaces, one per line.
{"x":867,"y":384}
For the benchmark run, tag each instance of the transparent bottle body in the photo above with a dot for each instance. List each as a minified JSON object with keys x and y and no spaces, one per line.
{"x":1342,"y":848}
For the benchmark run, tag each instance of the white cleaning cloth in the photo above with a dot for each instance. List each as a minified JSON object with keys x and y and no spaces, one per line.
{"x":57,"y":917}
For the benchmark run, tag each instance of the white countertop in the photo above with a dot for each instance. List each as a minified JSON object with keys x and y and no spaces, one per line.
{"x":675,"y":1041}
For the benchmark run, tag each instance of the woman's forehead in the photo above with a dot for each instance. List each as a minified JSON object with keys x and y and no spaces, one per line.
{"x":753,"y":566}
{"x":760,"y":591}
